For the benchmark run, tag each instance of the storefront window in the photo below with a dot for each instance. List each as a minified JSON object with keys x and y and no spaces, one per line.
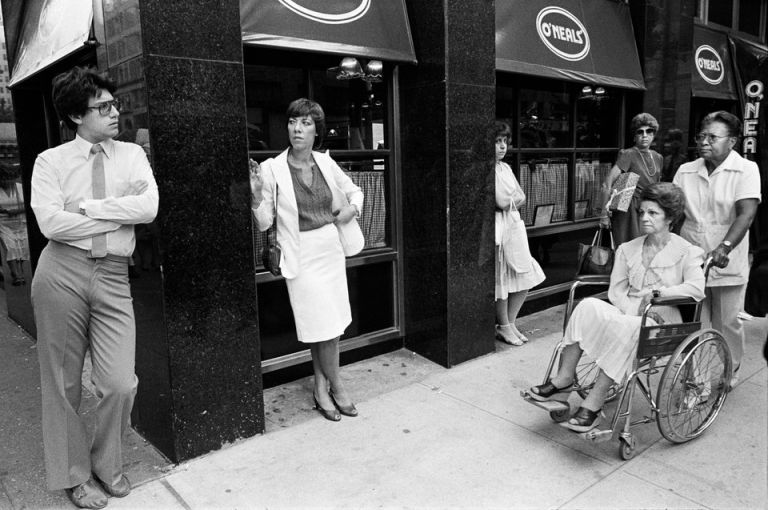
{"x":566,"y":141}
{"x":358,"y":131}
{"x":545,"y":118}
{"x":721,"y":12}
{"x":596,"y":116}
{"x":750,"y":15}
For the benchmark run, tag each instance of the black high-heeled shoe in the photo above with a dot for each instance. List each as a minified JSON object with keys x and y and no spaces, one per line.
{"x":332,"y":415}
{"x":584,"y":420}
{"x":546,"y":391}
{"x":349,"y":410}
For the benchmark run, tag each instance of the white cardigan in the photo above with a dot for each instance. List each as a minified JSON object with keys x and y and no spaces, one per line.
{"x":344,"y":192}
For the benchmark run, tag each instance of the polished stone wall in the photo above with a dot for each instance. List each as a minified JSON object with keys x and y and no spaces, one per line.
{"x":202,"y":366}
{"x":447,"y":103}
{"x":664,"y":34}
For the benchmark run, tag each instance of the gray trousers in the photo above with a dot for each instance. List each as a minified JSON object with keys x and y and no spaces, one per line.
{"x":721,"y":307}
{"x":80,"y":302}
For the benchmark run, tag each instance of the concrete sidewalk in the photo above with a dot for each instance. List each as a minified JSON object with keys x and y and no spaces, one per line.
{"x":463,"y":438}
{"x":426,"y":437}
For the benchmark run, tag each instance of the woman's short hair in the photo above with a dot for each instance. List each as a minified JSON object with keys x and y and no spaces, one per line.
{"x":304,"y":107}
{"x":643,"y":119}
{"x":670,"y":198}
{"x":502,"y":130}
{"x":732,"y":122}
{"x":73,"y":89}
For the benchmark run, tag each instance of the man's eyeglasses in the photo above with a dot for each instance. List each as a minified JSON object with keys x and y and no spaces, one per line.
{"x":106,"y":107}
{"x":710,"y":138}
{"x":645,"y":131}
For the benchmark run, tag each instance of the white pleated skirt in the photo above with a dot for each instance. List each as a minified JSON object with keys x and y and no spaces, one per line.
{"x":509,"y":281}
{"x":605,"y":334}
{"x":319,"y":296}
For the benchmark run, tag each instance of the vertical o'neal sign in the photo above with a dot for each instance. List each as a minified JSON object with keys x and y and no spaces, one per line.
{"x":709,"y":64}
{"x":562,"y":33}
{"x":344,"y":11}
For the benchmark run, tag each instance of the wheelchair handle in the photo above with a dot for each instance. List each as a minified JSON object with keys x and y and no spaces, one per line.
{"x":594,"y":279}
{"x":708,"y":264}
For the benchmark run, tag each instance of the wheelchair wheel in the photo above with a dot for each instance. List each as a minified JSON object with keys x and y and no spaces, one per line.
{"x":560,"y":416}
{"x":627,"y":448}
{"x":586,"y":375}
{"x":694,"y":386}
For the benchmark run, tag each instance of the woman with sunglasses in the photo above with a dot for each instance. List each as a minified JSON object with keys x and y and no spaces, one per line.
{"x":644,"y":162}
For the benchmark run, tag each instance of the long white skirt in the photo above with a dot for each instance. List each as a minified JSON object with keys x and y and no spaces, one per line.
{"x":319,"y":296}
{"x":605,"y":334}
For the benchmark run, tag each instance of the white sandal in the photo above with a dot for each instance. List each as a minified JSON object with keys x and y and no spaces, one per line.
{"x":506,"y":334}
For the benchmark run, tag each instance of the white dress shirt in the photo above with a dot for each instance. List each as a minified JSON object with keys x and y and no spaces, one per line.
{"x":61,"y":183}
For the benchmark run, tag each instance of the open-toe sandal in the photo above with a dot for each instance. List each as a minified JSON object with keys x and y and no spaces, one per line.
{"x":546,"y":391}
{"x":583,"y":420}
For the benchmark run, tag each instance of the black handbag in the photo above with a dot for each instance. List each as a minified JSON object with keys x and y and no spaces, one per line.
{"x":596,"y":259}
{"x":270,"y":255}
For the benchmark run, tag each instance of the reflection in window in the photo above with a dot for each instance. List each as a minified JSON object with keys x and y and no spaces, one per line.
{"x":750,"y":16}
{"x":544,"y":118}
{"x":591,"y":171}
{"x":596,"y":116}
{"x":721,"y":12}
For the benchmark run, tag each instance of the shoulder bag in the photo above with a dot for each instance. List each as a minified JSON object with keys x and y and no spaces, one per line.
{"x":270,"y":255}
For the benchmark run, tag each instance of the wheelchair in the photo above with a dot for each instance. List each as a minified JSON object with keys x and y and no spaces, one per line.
{"x":694,"y":363}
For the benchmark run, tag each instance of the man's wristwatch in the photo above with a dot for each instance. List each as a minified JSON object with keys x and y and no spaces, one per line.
{"x":656,"y":293}
{"x":81,"y":208}
{"x":728,"y":245}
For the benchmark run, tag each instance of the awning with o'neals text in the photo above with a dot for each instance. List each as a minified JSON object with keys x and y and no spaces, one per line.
{"x":53,"y":29}
{"x":712,"y":73}
{"x":589,"y":41}
{"x":367,"y":28}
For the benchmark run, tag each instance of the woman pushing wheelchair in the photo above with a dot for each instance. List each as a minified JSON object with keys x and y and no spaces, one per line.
{"x":656,"y":264}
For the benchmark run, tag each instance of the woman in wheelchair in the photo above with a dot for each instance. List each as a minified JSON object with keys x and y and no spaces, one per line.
{"x":658,"y":263}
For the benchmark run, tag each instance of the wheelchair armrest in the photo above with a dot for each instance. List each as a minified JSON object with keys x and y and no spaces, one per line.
{"x":594,"y":279}
{"x":673,"y":301}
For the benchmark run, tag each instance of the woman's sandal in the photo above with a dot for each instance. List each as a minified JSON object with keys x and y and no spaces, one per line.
{"x":544,"y":392}
{"x":507,"y":335}
{"x":584,"y":420}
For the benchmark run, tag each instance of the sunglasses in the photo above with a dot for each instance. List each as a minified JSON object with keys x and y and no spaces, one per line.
{"x":645,"y":131}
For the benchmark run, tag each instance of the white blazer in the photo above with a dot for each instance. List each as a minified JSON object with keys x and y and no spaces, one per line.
{"x":344,"y":191}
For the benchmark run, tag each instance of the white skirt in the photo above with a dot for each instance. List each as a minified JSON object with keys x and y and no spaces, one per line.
{"x":319,"y":296}
{"x":509,"y":281}
{"x":605,"y":334}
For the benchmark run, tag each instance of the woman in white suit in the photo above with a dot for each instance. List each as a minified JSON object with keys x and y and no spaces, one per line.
{"x":316,"y":206}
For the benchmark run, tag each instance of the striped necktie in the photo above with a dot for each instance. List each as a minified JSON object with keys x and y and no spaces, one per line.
{"x":99,"y":241}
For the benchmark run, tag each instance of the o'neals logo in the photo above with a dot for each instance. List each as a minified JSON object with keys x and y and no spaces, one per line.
{"x":709,"y":64}
{"x":562,"y":33}
{"x":330,"y":18}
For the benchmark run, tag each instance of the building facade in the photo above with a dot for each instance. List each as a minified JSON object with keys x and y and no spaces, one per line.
{"x":409,"y":89}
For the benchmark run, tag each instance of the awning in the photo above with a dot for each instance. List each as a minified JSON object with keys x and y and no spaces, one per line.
{"x":588,"y":41}
{"x":52,"y":30}
{"x":712,"y":74}
{"x":367,"y":28}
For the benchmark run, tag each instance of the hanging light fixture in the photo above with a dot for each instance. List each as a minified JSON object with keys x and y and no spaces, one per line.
{"x":349,"y":69}
{"x":586,"y":92}
{"x":373,"y":71}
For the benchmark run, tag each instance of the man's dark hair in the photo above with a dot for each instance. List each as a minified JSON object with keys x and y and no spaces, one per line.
{"x":73,"y":89}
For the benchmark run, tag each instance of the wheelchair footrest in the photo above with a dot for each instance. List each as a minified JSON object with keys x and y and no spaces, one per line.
{"x":597,"y":435}
{"x":548,"y":405}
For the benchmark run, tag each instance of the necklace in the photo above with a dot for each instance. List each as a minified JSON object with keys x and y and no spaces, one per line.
{"x":653,"y":164}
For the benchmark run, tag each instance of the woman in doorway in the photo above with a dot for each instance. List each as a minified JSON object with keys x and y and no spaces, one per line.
{"x":516,"y":271}
{"x":641,"y":160}
{"x":315,"y":205}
